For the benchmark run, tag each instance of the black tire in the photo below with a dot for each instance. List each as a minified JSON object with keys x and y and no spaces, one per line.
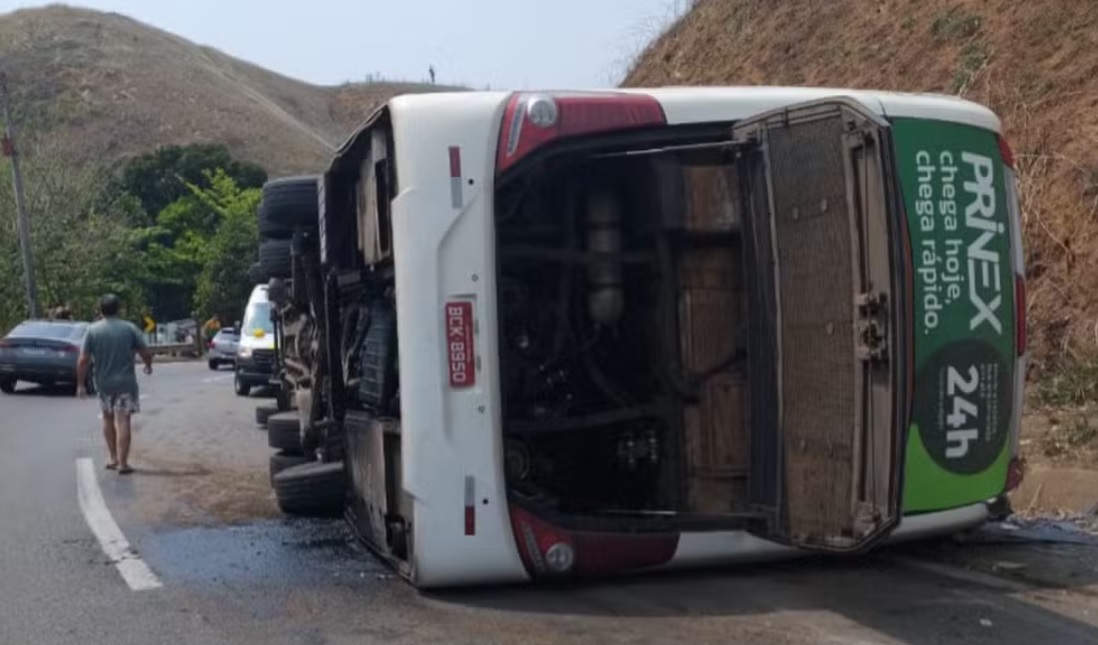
{"x":275,"y":258}
{"x":264,"y":412}
{"x":7,"y":385}
{"x":241,"y":388}
{"x":288,"y":203}
{"x":256,"y":274}
{"x":213,"y":365}
{"x":284,"y":432}
{"x":314,"y":489}
{"x":282,"y":460}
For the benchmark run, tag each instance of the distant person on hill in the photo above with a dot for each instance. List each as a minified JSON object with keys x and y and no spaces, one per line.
{"x":109,"y":349}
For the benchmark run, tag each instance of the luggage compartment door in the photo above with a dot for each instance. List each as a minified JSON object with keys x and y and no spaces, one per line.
{"x":826,"y":358}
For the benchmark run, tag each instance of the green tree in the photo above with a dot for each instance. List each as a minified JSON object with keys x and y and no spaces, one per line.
{"x":81,"y":236}
{"x":186,"y":192}
{"x":223,"y":286}
{"x":159,"y":178}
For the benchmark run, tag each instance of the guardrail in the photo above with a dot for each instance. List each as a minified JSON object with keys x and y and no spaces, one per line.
{"x":180,"y":349}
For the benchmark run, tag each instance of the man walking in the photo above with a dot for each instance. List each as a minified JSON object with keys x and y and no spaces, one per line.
{"x":109,"y":347}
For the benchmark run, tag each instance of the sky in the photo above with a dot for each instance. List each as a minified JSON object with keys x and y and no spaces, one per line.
{"x":504,"y":44}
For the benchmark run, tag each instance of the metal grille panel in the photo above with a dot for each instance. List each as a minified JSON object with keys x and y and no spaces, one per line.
{"x":812,"y":223}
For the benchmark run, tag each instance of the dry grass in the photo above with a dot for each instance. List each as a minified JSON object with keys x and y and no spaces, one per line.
{"x":121,"y":87}
{"x":1034,"y":63}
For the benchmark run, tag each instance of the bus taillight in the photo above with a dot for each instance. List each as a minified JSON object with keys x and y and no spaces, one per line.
{"x":549,"y":550}
{"x":533,"y":120}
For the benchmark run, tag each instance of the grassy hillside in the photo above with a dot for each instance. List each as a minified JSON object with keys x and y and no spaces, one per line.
{"x":121,"y":87}
{"x":1035,"y":63}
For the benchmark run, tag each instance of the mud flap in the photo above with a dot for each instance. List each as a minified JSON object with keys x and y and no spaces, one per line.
{"x":826,"y":440}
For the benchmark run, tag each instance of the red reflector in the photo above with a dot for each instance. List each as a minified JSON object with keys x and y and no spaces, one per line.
{"x":1020,"y":313}
{"x":455,"y":161}
{"x":470,"y":520}
{"x":470,"y":506}
{"x":1006,"y":152}
{"x":558,"y":117}
{"x":459,"y":344}
{"x":1016,"y":472}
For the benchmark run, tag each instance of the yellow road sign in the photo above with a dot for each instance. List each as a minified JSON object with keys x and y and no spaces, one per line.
{"x":150,"y":324}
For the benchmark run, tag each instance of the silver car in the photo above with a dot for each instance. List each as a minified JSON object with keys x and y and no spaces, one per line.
{"x":222,"y":348}
{"x":42,"y":352}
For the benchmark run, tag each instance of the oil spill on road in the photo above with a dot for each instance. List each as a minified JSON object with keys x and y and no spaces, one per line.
{"x":271,"y":553}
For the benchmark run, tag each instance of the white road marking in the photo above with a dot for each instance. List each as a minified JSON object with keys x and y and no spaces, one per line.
{"x":132,"y":568}
{"x":216,"y":379}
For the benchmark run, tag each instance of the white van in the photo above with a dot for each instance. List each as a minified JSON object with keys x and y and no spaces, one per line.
{"x":577,"y":333}
{"x":255,"y":355}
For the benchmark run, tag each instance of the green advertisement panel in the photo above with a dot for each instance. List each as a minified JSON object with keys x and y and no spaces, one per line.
{"x":954,"y":195}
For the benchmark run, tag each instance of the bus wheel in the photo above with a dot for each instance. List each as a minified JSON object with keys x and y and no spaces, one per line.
{"x":284,"y":432}
{"x":282,"y":460}
{"x":314,"y":489}
{"x":264,"y":412}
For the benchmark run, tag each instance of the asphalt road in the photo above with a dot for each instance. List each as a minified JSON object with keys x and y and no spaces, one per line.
{"x":198,"y":511}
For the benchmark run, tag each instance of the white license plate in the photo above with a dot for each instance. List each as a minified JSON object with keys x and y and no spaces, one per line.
{"x":34,"y":352}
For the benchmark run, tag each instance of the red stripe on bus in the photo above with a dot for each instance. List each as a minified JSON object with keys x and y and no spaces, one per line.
{"x":455,"y":161}
{"x":470,"y":520}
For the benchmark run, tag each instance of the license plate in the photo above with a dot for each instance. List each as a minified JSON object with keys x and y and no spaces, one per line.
{"x":459,"y":344}
{"x":33,"y":352}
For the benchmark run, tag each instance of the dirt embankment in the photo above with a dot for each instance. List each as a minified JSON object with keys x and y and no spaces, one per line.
{"x":1035,"y":63}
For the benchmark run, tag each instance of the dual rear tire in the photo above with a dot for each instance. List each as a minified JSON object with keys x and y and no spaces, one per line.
{"x":311,"y":489}
{"x":288,"y":204}
{"x":303,"y":487}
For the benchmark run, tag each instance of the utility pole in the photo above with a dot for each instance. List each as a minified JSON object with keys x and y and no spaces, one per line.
{"x":12,"y":150}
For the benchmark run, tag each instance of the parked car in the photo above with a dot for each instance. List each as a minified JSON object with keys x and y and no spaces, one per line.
{"x":222,"y":348}
{"x":42,"y":352}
